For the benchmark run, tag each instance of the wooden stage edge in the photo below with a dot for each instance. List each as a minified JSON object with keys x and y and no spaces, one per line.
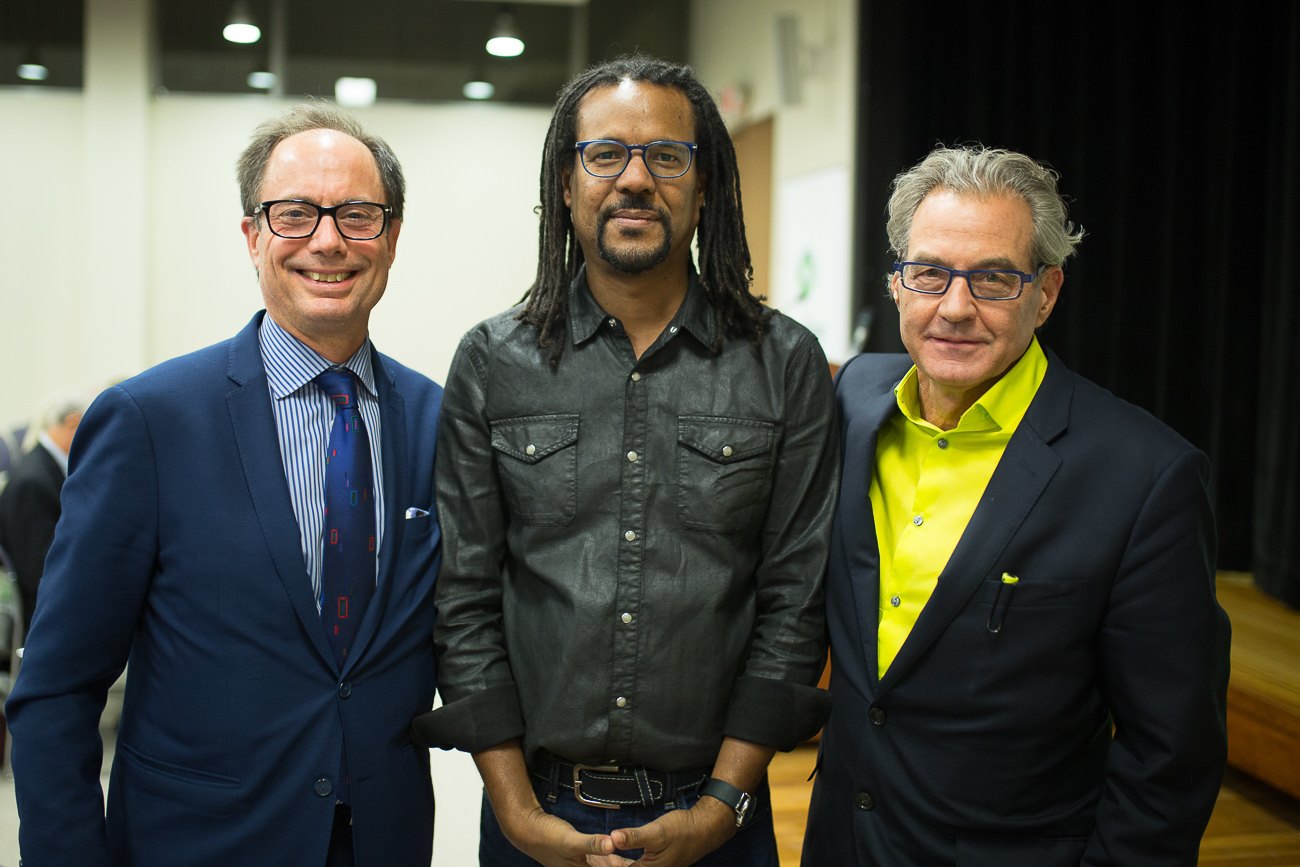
{"x":1264,"y":690}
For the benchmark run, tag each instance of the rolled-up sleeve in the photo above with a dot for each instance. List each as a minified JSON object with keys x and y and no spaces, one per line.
{"x":776,"y":701}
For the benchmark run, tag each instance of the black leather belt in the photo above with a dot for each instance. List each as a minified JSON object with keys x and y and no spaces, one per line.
{"x":613,"y":786}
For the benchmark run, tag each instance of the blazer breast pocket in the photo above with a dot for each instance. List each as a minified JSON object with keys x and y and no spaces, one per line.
{"x":537,"y":461}
{"x":724,"y":472}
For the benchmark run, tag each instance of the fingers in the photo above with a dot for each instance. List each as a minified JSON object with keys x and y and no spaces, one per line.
{"x":599,"y":844}
{"x":607,"y":861}
{"x":651,"y":836}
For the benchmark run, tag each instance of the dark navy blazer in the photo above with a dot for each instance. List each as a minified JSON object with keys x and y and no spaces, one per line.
{"x":981,"y":748}
{"x":178,"y":546}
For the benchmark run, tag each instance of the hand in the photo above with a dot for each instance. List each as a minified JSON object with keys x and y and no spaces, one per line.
{"x":682,"y":837}
{"x":556,"y":843}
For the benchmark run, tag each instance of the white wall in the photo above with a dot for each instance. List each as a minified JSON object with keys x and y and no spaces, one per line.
{"x":468,"y":247}
{"x":733,"y":45}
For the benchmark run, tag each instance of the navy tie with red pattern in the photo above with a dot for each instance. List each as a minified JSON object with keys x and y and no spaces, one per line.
{"x":348,"y":560}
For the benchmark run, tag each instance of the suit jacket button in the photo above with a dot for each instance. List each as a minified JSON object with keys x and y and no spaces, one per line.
{"x":323,"y":787}
{"x":345,"y":690}
{"x":877,"y":716}
{"x":865,"y":801}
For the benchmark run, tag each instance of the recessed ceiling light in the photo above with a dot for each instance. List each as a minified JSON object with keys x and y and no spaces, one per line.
{"x":239,"y":26}
{"x":261,"y":80}
{"x":32,"y":71}
{"x":478,"y":90}
{"x":355,"y":92}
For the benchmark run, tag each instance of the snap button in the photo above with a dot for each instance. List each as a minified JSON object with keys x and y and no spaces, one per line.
{"x":323,"y":787}
{"x":877,"y":716}
{"x":895,"y":601}
{"x":726,"y":451}
{"x":918,"y":520}
{"x":345,"y":689}
{"x":942,"y":443}
{"x":636,"y":377}
{"x":531,"y":450}
{"x":630,"y":536}
{"x":865,"y":801}
{"x":626,"y":618}
{"x":672,"y":330}
{"x":612,"y":322}
{"x":631,"y":456}
{"x":620,"y":701}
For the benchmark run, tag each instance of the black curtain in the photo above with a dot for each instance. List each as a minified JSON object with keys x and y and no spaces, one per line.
{"x":1174,"y":131}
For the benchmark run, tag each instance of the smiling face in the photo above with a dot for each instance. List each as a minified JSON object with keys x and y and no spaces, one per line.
{"x":321,"y":289}
{"x":962,"y":345}
{"x":635,"y":223}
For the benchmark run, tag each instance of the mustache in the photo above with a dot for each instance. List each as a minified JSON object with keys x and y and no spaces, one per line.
{"x":630,"y":203}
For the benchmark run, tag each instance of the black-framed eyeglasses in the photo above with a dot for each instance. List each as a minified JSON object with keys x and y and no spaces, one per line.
{"x":663,"y":159}
{"x":294,"y":219}
{"x":985,"y":283}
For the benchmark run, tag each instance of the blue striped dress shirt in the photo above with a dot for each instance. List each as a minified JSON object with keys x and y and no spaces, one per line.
{"x":304,"y":415}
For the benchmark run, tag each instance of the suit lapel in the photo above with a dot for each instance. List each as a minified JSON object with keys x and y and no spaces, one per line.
{"x":857,"y":520}
{"x":393,"y":448}
{"x":1026,"y":467}
{"x":259,"y":451}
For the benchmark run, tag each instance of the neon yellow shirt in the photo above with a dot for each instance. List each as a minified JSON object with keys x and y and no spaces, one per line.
{"x":927,"y":483}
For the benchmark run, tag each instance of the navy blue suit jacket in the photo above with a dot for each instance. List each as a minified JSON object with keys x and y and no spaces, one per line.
{"x":178,"y":547}
{"x":980,"y":748}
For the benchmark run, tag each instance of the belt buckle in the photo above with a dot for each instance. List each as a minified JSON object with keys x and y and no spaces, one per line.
{"x":577,"y":784}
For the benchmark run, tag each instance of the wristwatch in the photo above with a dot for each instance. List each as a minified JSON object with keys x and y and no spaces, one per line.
{"x":729,"y":795}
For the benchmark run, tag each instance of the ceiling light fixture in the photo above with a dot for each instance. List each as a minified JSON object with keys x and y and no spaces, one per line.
{"x":478,"y":90}
{"x":261,"y":80}
{"x":506,"y":40}
{"x":355,"y":92}
{"x":239,"y":26}
{"x":31,"y":68}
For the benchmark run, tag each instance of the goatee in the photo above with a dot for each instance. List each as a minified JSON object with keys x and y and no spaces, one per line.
{"x":636,"y":261}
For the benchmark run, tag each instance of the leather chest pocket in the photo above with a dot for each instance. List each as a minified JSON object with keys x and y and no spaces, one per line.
{"x":724,"y":472}
{"x":537,"y":462}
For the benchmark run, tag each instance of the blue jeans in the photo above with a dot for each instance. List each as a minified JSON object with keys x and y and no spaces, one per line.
{"x":754,"y":845}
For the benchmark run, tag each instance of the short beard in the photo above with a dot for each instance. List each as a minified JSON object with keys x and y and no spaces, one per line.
{"x":638,"y":261}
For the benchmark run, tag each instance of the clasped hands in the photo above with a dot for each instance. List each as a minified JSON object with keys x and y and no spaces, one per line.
{"x":677,"y":839}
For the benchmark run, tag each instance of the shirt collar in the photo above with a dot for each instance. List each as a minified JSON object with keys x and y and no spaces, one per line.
{"x":59,"y":455}
{"x":999,"y":408}
{"x":585,"y":315}
{"x":291,"y":364}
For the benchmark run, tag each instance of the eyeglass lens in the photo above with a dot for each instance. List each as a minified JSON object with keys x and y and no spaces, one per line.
{"x":664,"y":159}
{"x":934,"y":279}
{"x":358,"y":221}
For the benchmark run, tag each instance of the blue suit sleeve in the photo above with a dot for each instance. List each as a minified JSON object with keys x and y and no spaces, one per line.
{"x":96,"y":580}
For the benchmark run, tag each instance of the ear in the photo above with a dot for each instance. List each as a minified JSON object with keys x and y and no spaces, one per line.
{"x":394,"y":228}
{"x":893,"y":287}
{"x":249,"y":227}
{"x":566,"y":176}
{"x":1051,"y":287}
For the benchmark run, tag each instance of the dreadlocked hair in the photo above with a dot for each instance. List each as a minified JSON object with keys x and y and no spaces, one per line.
{"x":725,"y":270}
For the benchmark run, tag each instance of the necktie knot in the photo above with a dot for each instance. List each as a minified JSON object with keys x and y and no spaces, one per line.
{"x":341,"y":386}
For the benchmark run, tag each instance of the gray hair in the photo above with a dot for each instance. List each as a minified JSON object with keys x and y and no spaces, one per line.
{"x":980,"y":172}
{"x":54,"y":409}
{"x":251,"y":167}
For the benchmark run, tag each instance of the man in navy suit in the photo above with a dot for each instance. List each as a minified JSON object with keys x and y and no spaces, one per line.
{"x":1028,"y":661}
{"x":278,"y":647}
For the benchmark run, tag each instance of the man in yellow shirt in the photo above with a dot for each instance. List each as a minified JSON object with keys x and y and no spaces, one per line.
{"x":1028,"y":661}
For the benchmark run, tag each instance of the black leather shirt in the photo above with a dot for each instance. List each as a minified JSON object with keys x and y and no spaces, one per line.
{"x":633,"y":548}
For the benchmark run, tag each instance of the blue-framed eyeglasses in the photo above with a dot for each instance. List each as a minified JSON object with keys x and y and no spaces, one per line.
{"x":987,"y":284}
{"x":663,"y":159}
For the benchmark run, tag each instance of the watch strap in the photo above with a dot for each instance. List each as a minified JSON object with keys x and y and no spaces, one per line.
{"x":728,"y":794}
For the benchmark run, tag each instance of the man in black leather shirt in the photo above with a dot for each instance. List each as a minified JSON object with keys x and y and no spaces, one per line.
{"x":637,"y":473}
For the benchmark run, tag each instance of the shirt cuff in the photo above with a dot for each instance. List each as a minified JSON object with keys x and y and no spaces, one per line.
{"x":775,"y":713}
{"x":474,"y":723}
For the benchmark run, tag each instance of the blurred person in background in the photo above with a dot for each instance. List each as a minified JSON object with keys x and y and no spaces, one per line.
{"x":253,"y":526}
{"x":29,"y":502}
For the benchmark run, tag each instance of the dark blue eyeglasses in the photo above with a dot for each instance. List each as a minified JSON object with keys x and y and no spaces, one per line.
{"x":987,"y":284}
{"x":663,"y":159}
